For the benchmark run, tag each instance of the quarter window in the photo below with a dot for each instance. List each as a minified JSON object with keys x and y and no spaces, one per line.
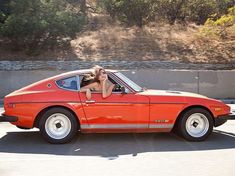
{"x":68,"y":83}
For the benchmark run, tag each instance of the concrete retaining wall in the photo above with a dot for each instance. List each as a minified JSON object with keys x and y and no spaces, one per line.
{"x":215,"y":84}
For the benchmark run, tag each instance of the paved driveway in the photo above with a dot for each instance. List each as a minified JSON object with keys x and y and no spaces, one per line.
{"x":25,"y":153}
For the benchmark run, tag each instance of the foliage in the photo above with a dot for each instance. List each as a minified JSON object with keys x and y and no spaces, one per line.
{"x":131,"y":11}
{"x":142,"y":11}
{"x":2,"y":17}
{"x":223,"y":27}
{"x":200,"y":10}
{"x":38,"y":23}
{"x":171,"y":10}
{"x":31,"y":24}
{"x":4,"y":10}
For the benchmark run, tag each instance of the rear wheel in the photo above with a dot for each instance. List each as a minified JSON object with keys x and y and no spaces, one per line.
{"x":196,"y":124}
{"x":58,"y":125}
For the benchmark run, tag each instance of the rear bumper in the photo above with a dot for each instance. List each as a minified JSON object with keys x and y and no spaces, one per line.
{"x":220,"y":120}
{"x":6,"y":118}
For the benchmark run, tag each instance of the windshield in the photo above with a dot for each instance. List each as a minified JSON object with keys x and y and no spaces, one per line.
{"x":129,"y":82}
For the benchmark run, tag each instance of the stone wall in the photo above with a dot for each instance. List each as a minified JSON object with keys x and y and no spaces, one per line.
{"x":112,"y":64}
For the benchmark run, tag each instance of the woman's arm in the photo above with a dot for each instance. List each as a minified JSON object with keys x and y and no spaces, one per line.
{"x":89,"y":86}
{"x":106,"y":91}
{"x":87,"y":89}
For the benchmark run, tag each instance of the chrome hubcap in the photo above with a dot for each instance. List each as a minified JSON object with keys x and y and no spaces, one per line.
{"x":58,"y":126}
{"x":197,"y":125}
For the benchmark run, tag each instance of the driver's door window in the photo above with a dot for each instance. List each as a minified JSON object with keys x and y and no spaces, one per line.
{"x":87,"y":79}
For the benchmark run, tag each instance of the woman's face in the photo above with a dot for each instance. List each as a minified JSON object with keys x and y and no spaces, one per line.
{"x":103,"y":75}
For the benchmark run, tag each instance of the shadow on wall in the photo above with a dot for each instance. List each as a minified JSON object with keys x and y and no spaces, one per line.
{"x":111,"y":146}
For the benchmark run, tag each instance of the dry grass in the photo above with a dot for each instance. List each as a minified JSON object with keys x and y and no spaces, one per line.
{"x":157,"y":41}
{"x":104,"y":38}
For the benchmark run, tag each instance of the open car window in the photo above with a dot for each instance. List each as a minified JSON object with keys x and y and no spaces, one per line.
{"x":87,"y":79}
{"x":68,"y":83}
{"x":117,"y":86}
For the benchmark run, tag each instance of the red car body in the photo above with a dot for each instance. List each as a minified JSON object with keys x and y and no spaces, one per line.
{"x":130,"y":111}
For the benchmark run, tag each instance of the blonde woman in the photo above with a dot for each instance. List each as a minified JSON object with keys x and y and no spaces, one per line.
{"x":99,"y":84}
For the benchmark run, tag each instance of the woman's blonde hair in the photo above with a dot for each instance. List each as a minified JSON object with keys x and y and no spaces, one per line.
{"x":97,"y":70}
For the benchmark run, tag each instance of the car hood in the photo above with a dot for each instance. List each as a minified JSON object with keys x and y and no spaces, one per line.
{"x":171,"y":93}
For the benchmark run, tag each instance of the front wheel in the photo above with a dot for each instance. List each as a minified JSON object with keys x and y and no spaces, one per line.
{"x":196,"y":124}
{"x":58,"y":126}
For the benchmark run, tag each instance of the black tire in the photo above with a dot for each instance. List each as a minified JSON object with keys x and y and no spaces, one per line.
{"x":188,"y":133}
{"x":68,"y":117}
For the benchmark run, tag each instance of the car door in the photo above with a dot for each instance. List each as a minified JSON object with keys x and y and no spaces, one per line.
{"x":127,"y":110}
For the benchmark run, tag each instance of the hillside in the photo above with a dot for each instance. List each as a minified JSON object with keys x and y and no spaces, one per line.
{"x":158,"y":41}
{"x":104,"y":38}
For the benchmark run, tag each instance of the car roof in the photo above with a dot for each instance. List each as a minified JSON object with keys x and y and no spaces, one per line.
{"x":63,"y":75}
{"x":78,"y":72}
{"x":72,"y":73}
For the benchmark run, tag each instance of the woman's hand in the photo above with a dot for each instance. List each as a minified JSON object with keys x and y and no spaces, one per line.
{"x":88,"y":94}
{"x":104,"y":78}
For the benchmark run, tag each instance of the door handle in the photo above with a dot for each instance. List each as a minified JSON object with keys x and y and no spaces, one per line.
{"x":90,"y":101}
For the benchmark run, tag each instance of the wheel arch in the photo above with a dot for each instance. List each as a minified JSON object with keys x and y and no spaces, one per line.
{"x":189,"y":108}
{"x":39,"y":115}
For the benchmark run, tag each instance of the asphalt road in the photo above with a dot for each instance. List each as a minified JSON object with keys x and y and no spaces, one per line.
{"x":25,"y":153}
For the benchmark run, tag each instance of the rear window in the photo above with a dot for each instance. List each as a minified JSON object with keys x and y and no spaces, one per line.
{"x":68,"y":83}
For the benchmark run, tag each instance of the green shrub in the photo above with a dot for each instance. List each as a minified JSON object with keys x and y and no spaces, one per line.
{"x":170,"y":10}
{"x":132,"y":12}
{"x":142,"y":11}
{"x":39,"y":23}
{"x":4,"y":11}
{"x":200,"y":10}
{"x":223,"y":27}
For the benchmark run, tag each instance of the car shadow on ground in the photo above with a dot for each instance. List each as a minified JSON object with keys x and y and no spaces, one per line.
{"x":112,"y":145}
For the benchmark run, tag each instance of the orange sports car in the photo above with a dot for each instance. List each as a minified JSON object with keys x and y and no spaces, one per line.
{"x":58,"y":108}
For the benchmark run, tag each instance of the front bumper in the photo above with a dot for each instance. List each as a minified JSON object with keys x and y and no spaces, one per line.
{"x":6,"y":118}
{"x":220,"y":120}
{"x":231,"y":117}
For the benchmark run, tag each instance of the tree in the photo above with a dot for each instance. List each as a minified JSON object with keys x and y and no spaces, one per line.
{"x":139,"y":12}
{"x":132,"y":12}
{"x":35,"y":24}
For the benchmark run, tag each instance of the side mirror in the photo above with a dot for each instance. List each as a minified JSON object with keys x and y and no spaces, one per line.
{"x":123,"y":90}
